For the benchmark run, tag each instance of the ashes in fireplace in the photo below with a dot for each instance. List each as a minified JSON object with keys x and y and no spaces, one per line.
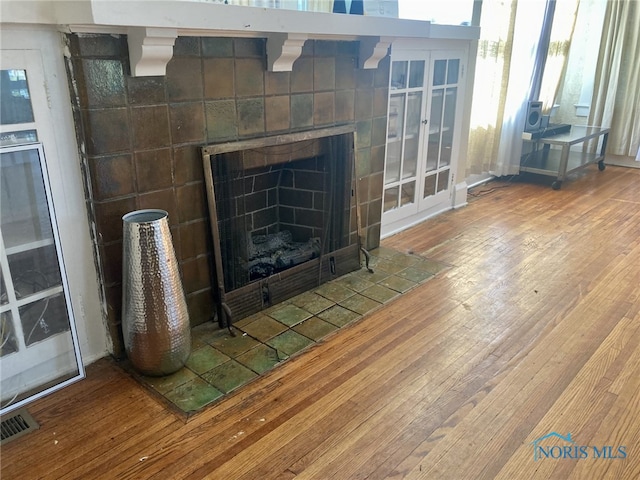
{"x":283,"y":216}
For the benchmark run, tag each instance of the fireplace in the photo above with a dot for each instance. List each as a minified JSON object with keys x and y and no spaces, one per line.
{"x":283,"y":216}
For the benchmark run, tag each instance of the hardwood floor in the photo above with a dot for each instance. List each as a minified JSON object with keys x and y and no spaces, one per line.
{"x":534,"y":329}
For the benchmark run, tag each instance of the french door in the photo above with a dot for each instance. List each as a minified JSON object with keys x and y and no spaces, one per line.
{"x":38,"y":342}
{"x":422,"y":142}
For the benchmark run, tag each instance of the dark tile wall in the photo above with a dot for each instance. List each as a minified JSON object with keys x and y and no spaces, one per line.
{"x":140,"y":137}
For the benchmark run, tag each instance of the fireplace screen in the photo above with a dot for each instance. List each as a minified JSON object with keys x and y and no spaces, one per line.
{"x":283,"y":216}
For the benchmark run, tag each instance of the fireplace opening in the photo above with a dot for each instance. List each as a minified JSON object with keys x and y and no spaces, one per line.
{"x":283,"y":216}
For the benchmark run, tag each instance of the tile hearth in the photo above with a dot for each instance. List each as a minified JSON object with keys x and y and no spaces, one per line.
{"x":220,"y":363}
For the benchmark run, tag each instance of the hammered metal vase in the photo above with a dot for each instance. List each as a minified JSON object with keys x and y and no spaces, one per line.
{"x":155,"y":320}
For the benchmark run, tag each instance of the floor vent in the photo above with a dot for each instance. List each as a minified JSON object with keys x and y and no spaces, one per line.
{"x":18,"y":424}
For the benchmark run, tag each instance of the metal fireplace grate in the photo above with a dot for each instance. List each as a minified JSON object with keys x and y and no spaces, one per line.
{"x":18,"y":424}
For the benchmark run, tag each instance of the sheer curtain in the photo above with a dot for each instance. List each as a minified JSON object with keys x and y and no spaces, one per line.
{"x":504,"y":68}
{"x":564,"y":22}
{"x":616,"y":95}
{"x":507,"y":76}
{"x":490,"y":86}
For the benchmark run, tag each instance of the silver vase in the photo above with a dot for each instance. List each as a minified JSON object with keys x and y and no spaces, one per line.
{"x":155,"y":320}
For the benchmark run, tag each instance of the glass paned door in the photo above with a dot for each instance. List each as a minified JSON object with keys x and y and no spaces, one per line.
{"x":442,"y":122}
{"x":38,"y":343}
{"x":406,"y":103}
{"x":422,"y":134}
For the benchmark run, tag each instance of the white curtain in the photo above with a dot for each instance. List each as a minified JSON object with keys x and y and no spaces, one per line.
{"x":509,"y":35}
{"x":528,"y":23}
{"x":616,"y":95}
{"x":506,"y":77}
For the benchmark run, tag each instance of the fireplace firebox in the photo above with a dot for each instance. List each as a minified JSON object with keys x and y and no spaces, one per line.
{"x":283,"y":213}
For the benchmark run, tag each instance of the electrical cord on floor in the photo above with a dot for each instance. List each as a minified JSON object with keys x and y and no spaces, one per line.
{"x":523,"y":162}
{"x":482,"y":193}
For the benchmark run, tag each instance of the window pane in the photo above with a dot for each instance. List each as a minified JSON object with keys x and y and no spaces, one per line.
{"x":3,"y":291}
{"x":394,"y":138}
{"x":23,"y":202}
{"x":414,"y":107}
{"x":19,"y":137}
{"x":44,"y":318}
{"x":439,"y":72}
{"x":448,"y":125}
{"x":408,"y":193}
{"x":392,"y":167}
{"x":435,"y":119}
{"x":429,"y":185}
{"x":443,"y":180}
{"x":391,"y":198}
{"x":396,"y":116}
{"x":454,"y":68}
{"x":15,"y":101}
{"x":399,"y":75}
{"x":416,"y":77}
{"x":411,"y":142}
{"x":9,"y":343}
{"x":34,"y":270}
{"x":410,"y":164}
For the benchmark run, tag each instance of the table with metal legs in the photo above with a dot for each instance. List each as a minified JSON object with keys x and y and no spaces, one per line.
{"x":559,"y":162}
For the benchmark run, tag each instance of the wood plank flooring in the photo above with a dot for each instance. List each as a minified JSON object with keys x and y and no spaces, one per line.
{"x":534,"y":329}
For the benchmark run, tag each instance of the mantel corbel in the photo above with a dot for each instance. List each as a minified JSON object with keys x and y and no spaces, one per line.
{"x":150,"y":49}
{"x":372,"y":50}
{"x":283,"y":49}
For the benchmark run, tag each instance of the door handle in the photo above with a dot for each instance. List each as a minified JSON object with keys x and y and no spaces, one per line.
{"x":425,"y":121}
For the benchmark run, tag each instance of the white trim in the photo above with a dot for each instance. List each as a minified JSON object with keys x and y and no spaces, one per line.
{"x":397,"y":227}
{"x":460,"y":194}
{"x":66,"y":183}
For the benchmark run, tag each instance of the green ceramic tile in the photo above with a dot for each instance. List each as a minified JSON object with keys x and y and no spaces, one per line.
{"x":380,"y":293}
{"x":260,"y":359}
{"x":250,"y":319}
{"x":398,"y":284}
{"x":229,"y":376}
{"x":312,"y":302}
{"x":334,"y":291}
{"x":414,"y":274}
{"x":354,"y":282}
{"x":289,"y":342}
{"x":315,"y":328}
{"x":383,"y":252}
{"x":338,"y":316}
{"x":193,"y":395}
{"x":234,"y":346}
{"x":205,"y":334}
{"x":388,"y":266}
{"x":265,"y":339}
{"x":376,"y":277}
{"x":170,"y":382}
{"x":290,"y":315}
{"x":205,"y":358}
{"x":264,"y":328}
{"x":360,"y":304}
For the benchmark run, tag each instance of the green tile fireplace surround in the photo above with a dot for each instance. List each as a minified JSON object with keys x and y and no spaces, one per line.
{"x":143,"y":136}
{"x":220,"y":363}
